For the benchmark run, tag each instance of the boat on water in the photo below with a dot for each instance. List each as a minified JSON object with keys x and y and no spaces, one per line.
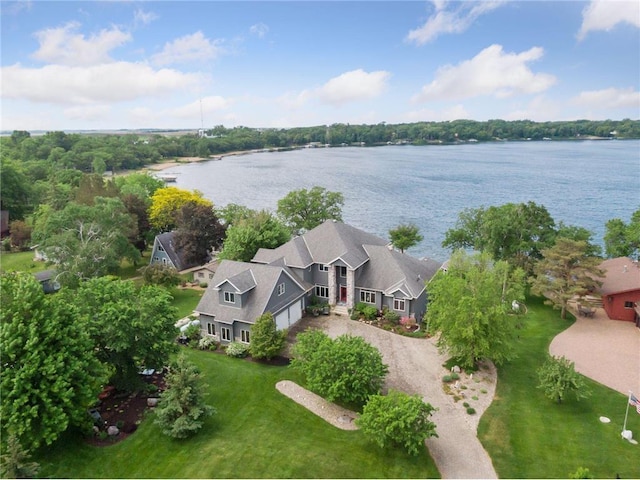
{"x":168,"y":178}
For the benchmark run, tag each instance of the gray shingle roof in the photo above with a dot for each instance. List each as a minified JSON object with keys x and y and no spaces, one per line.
{"x":325,"y":244}
{"x":167,"y":240}
{"x":255,"y":300}
{"x":389,"y":271}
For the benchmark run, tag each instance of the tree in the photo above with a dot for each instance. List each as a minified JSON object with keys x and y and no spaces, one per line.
{"x":138,"y":209}
{"x":516,"y":233}
{"x":621,"y":239}
{"x":471,"y":306}
{"x":160,"y":274}
{"x":181,"y":410}
{"x":130,"y":327}
{"x":198,"y":232}
{"x":233,"y":213}
{"x":248,"y":235}
{"x":346,"y":369}
{"x":15,"y":463}
{"x":15,"y":189}
{"x":565,"y":272}
{"x":92,"y":186}
{"x":20,"y":234}
{"x":86,"y":241}
{"x":558,"y":378}
{"x":573,"y":232}
{"x":398,"y":419}
{"x":405,"y":236}
{"x":50,"y":375}
{"x":166,"y":202}
{"x":303,"y":210}
{"x":266,"y":340}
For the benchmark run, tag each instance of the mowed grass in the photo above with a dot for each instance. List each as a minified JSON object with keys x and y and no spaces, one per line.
{"x":257,"y":433}
{"x":530,"y":436}
{"x":185,"y":300}
{"x":20,"y":262}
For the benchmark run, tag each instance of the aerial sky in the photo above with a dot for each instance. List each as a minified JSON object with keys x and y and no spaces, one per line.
{"x":182,"y":65}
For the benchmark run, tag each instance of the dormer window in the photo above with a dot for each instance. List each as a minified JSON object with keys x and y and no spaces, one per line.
{"x":280,"y":289}
{"x":229,"y":297}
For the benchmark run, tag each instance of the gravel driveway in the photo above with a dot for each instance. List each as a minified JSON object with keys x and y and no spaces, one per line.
{"x":415,"y":367}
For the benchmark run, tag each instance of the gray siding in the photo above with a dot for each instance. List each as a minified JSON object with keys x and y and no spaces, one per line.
{"x":160,"y":256}
{"x":379,"y":298}
{"x":291,"y":292}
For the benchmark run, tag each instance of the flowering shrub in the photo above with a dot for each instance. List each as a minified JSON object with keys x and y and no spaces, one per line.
{"x":237,"y":350}
{"x":207,"y":343}
{"x":407,"y":321}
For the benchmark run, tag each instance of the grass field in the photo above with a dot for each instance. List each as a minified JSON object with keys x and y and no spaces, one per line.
{"x":185,"y":300}
{"x":20,"y":262}
{"x":257,"y":433}
{"x":530,"y":436}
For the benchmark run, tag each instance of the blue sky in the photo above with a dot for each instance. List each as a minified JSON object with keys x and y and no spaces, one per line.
{"x":129,"y":64}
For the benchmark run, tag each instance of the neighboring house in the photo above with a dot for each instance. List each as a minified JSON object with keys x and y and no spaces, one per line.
{"x":620,"y":289}
{"x":240,"y":292}
{"x":164,"y":252}
{"x":205,"y":272}
{"x":47,"y":280}
{"x":336,"y":263}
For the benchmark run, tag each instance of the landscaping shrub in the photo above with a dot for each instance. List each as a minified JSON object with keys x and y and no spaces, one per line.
{"x":207,"y":343}
{"x":370,"y":312}
{"x":447,"y":379}
{"x":237,"y":350}
{"x":465,"y":404}
{"x":471,"y":410}
{"x":391,"y":316}
{"x":204,"y":284}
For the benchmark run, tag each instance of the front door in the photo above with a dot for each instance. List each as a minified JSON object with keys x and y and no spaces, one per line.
{"x":343,"y":294}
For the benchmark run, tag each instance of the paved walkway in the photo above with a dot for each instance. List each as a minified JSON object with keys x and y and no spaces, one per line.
{"x":607,"y":351}
{"x":415,"y":367}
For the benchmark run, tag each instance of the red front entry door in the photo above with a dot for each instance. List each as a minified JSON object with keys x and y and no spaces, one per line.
{"x":343,"y":294}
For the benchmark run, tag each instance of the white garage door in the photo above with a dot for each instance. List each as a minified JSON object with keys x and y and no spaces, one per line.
{"x":289,"y":316}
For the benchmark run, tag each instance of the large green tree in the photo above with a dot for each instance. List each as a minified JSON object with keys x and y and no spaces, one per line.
{"x":182,"y":410}
{"x":405,"y":236}
{"x":266,"y":340}
{"x":470,"y":305}
{"x":15,"y":189}
{"x":564,"y":272}
{"x":623,"y":239}
{"x":131,"y":327}
{"x":86,"y":241}
{"x":398,"y":419}
{"x":347,"y":369}
{"x":303,"y":210}
{"x":513,"y":232}
{"x":258,"y":230}
{"x":50,"y":375}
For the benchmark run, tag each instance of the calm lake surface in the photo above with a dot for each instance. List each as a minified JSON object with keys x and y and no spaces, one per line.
{"x":581,"y":183}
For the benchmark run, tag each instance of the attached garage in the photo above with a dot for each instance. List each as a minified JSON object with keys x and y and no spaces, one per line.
{"x":289,"y":315}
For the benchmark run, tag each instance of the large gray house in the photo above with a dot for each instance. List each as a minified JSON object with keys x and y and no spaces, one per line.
{"x":335,"y":262}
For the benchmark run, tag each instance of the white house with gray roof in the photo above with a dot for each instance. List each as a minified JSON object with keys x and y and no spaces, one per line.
{"x":335,"y":262}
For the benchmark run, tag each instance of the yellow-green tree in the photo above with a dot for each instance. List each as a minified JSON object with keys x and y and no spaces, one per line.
{"x":166,"y":202}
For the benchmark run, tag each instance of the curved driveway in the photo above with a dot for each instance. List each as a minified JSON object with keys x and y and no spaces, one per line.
{"x":415,"y":367}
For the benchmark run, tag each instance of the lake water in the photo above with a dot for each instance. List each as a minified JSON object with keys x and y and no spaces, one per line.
{"x":581,"y":183}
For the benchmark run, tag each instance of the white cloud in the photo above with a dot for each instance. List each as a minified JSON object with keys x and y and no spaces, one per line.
{"x":87,"y":112}
{"x":608,"y":98}
{"x":606,"y":14}
{"x":259,"y":29}
{"x":140,"y":17}
{"x":353,"y":86}
{"x":455,"y":20}
{"x":64,"y":46}
{"x":189,"y":48}
{"x":539,"y":109}
{"x":491,"y":72}
{"x":112,"y":82}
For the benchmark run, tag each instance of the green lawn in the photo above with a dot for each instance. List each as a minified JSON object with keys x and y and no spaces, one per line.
{"x":257,"y":433}
{"x":529,"y":436}
{"x":20,"y":262}
{"x":185,"y":300}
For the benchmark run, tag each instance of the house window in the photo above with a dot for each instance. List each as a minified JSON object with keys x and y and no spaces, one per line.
{"x":201,"y":274}
{"x":343,"y":271}
{"x":323,"y":268}
{"x":367,"y":297}
{"x":398,"y":304}
{"x":229,"y":297}
{"x":245,"y":335}
{"x":211,"y":328}
{"x":280,"y":289}
{"x":160,"y":248}
{"x":628,"y":304}
{"x":322,"y":291}
{"x":164,"y":261}
{"x":226,"y":334}
{"x":210,"y":276}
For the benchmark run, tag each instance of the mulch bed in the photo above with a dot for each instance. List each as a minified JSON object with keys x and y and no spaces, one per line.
{"x":124,"y":409}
